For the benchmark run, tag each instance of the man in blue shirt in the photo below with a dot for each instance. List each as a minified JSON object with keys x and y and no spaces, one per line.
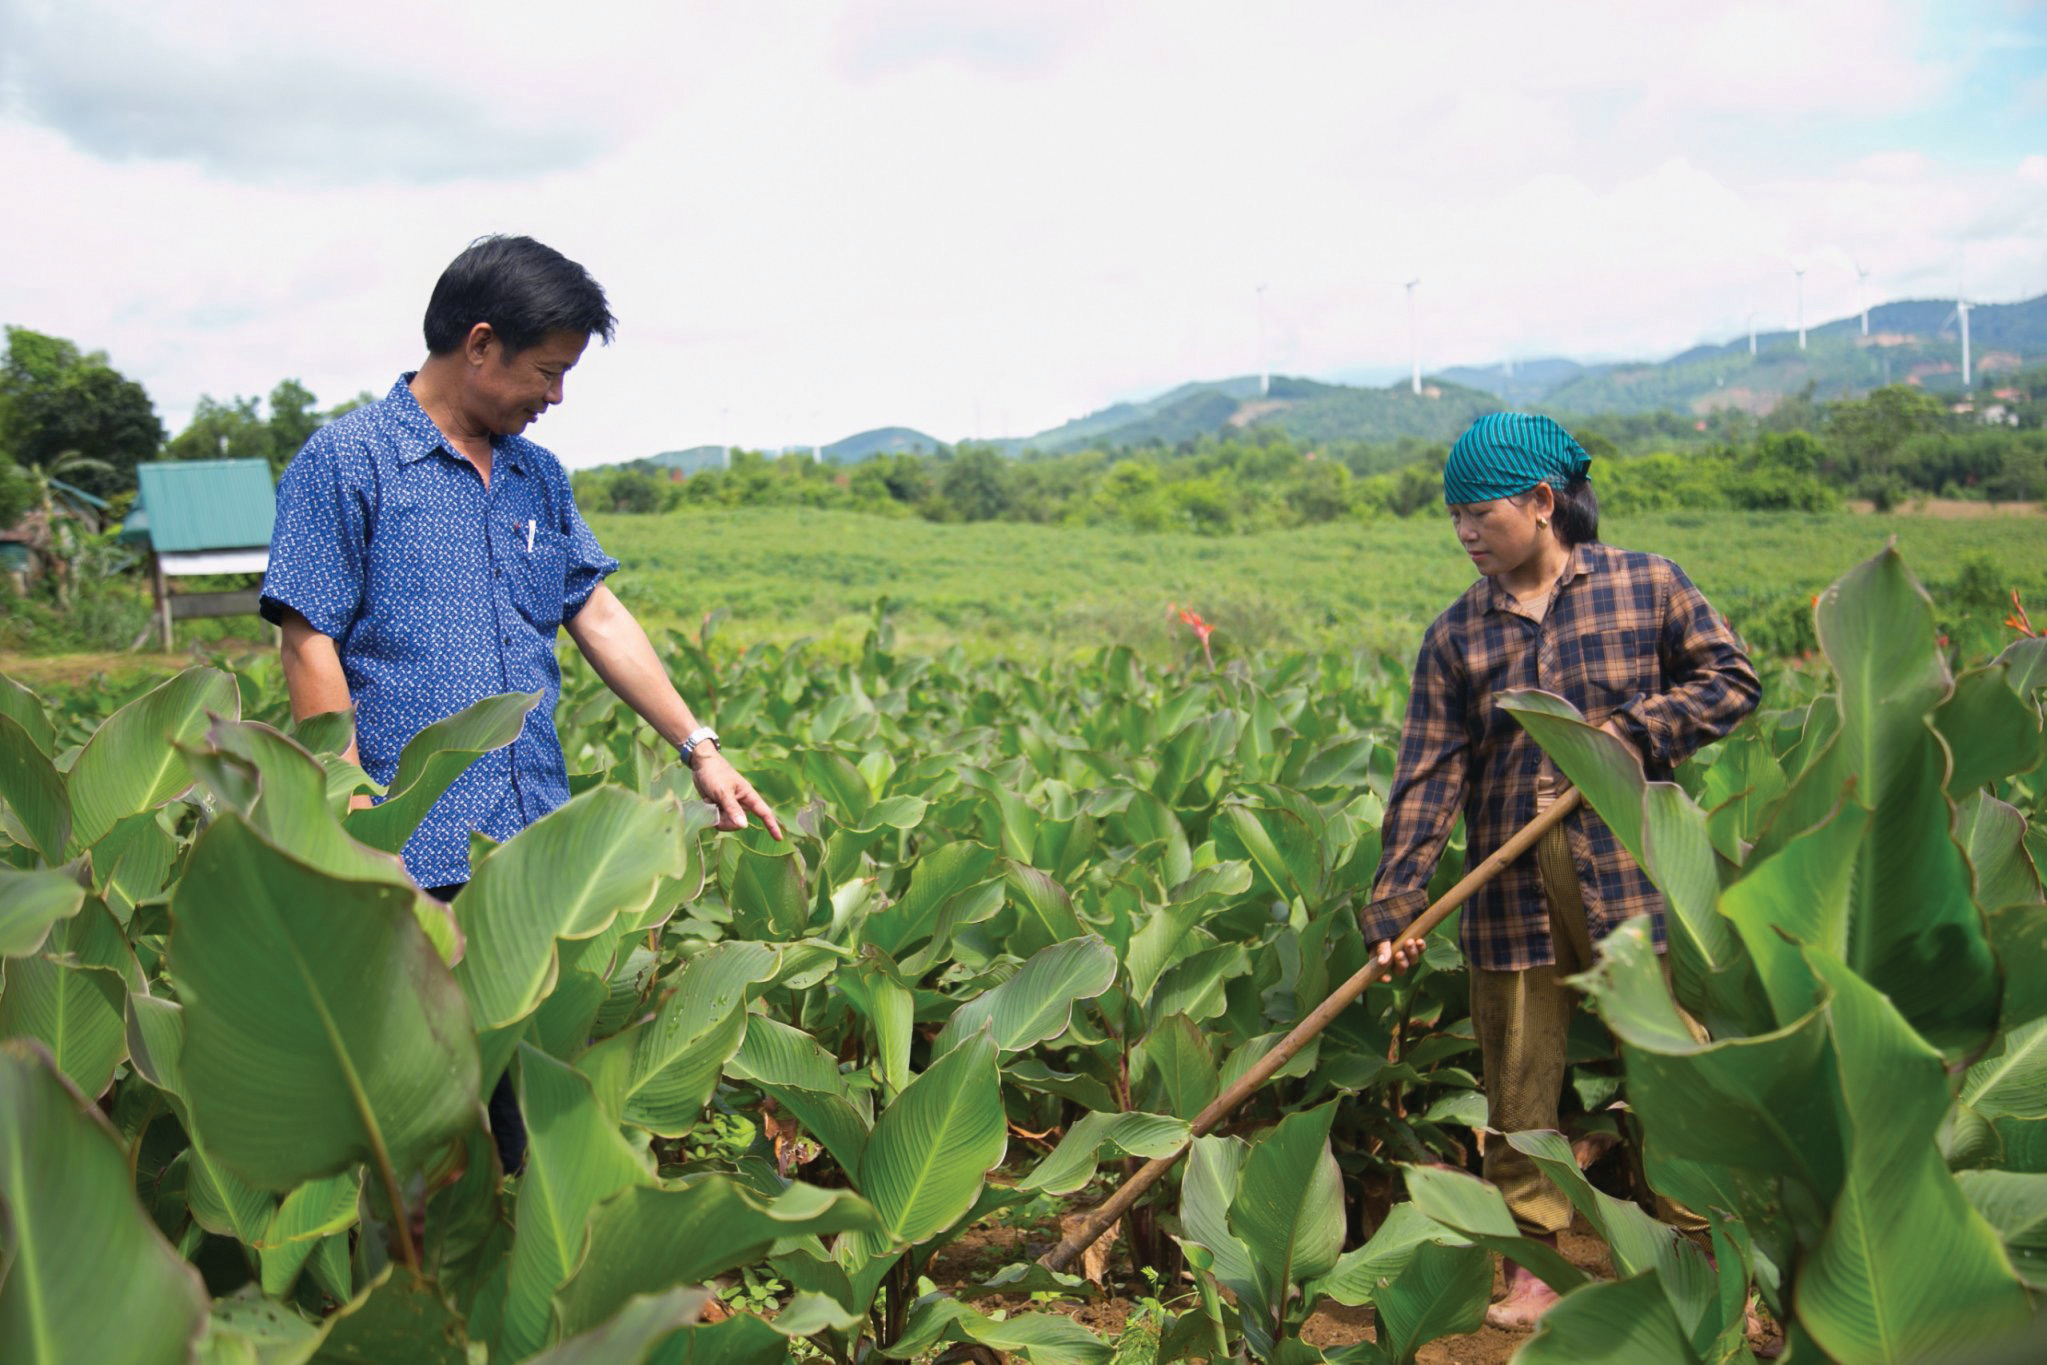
{"x":426,"y":554}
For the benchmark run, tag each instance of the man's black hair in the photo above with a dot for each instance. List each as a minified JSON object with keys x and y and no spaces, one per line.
{"x":522,"y":288}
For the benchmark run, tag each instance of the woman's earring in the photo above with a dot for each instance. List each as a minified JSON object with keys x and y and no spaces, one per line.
{"x":1541,"y":523}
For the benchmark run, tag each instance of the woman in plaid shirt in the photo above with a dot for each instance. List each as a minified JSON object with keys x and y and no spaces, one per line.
{"x":1624,"y":637}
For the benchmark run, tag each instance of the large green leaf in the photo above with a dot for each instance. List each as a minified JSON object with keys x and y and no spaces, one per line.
{"x":19,"y":705}
{"x":788,"y":1065}
{"x":630,"y":1336}
{"x":1475,"y":1211}
{"x":1762,"y":1104}
{"x":400,"y":1319}
{"x":34,"y":791}
{"x":932,"y":1147}
{"x":659,"y":1073}
{"x":1638,"y":1241}
{"x":938,"y":878}
{"x":132,"y":761}
{"x":1798,"y":895}
{"x":431,"y":762}
{"x":1991,"y":731}
{"x":574,"y":1158}
{"x":318,"y":998}
{"x":1993,"y":838}
{"x":643,"y":1240}
{"x":763,"y":883}
{"x":1044,"y":910}
{"x":2014,"y":1203}
{"x":30,"y":902}
{"x":1288,"y":1207}
{"x":1283,"y":846}
{"x":1906,"y":1267}
{"x":1172,"y":1069}
{"x":2013,"y":1080}
{"x":1441,"y":1290}
{"x":84,"y":1274}
{"x":1210,"y":1182}
{"x":569,"y":875}
{"x":1164,"y":937}
{"x":1071,"y":1164}
{"x":1035,"y":1004}
{"x":739,"y":1340}
{"x":1042,"y":1338}
{"x":1360,"y":1274}
{"x":132,"y":862}
{"x":1620,"y":1322}
{"x":1918,"y":936}
{"x":877,"y":990}
{"x":72,"y":996}
{"x":282,"y":791}
{"x":1664,"y":830}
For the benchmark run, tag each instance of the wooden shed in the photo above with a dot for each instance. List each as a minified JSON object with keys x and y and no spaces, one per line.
{"x":201,"y":517}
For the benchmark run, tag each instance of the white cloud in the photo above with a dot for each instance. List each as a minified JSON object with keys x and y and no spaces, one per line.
{"x":973,"y":219}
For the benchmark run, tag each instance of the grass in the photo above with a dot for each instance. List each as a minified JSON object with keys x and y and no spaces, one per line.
{"x":1035,"y":591}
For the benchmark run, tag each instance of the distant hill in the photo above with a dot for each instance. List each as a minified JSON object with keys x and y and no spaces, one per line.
{"x":1912,"y":342}
{"x":1304,"y":408}
{"x":688,"y":461}
{"x":1523,"y":382}
{"x":881,"y":441}
{"x":1112,"y":425}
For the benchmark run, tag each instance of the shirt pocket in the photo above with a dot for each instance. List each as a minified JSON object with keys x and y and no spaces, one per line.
{"x":1622,"y":664}
{"x":540,"y":577}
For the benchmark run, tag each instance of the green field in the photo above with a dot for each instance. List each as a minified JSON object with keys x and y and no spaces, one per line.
{"x":1001,"y":588}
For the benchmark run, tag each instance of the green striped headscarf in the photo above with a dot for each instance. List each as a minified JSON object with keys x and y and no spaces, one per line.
{"x":1504,"y":453}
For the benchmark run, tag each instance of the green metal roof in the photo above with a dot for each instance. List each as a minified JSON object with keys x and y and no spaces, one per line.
{"x":188,"y":505}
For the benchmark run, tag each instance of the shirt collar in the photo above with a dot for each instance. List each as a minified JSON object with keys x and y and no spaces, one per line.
{"x":418,"y":437}
{"x":1581,"y":562}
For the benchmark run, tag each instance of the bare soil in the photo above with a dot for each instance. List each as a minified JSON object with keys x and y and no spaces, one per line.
{"x":983,"y":1251}
{"x":37,"y":671}
{"x":1950,"y":509}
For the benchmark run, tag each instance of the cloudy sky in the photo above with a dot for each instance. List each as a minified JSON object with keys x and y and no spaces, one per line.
{"x":982,"y":217}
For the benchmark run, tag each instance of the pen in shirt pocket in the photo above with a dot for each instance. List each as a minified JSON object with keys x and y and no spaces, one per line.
{"x":529,"y":535}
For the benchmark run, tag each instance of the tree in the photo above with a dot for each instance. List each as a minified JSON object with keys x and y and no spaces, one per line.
{"x":54,"y":401}
{"x":16,"y":492}
{"x":974,"y":485}
{"x":1867,"y":432}
{"x":293,"y":418}
{"x":225,"y":431}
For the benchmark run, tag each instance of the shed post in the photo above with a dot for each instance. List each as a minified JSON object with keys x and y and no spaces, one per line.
{"x":163,"y":598}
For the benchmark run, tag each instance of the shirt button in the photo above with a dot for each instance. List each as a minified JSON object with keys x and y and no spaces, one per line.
{"x":508,"y":639}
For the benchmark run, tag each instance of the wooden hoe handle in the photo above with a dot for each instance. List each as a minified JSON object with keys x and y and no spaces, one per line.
{"x":1116,"y":1205}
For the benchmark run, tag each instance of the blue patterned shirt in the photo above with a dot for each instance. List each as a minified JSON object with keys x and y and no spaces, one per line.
{"x":438,"y":592}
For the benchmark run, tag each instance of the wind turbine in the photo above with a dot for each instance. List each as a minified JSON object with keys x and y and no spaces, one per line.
{"x":1264,"y":374}
{"x":1751,"y":333}
{"x":1862,"y":291}
{"x":1414,"y":353}
{"x":1961,"y":316}
{"x":1799,"y":271}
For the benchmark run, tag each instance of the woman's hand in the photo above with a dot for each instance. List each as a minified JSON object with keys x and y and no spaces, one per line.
{"x":1398,"y":957}
{"x":719,"y":783}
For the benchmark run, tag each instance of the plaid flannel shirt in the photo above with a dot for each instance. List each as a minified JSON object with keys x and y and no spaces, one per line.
{"x":1626,"y":637}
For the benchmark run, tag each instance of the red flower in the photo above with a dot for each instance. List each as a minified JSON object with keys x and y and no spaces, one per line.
{"x":1202,"y":629}
{"x":2018,"y":620}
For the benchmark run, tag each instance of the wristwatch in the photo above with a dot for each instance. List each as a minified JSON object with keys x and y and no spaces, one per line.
{"x":688,"y":748}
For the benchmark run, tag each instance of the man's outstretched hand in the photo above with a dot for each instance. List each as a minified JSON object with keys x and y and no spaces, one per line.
{"x":719,"y":783}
